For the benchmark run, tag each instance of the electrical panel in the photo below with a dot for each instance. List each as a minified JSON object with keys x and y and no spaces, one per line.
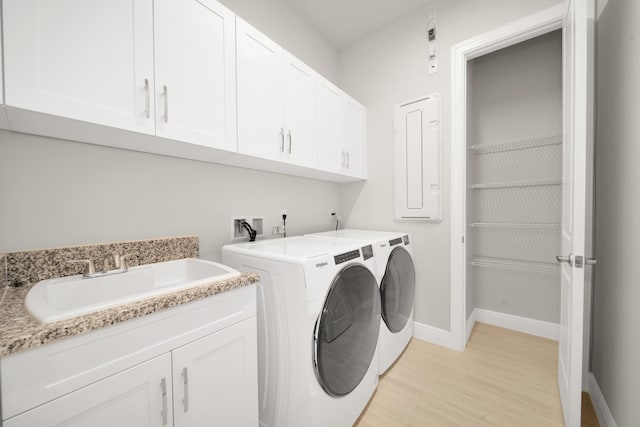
{"x":417,"y":159}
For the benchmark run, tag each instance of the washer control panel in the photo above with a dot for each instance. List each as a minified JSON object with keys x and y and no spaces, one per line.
{"x":367,"y":252}
{"x":347,"y":256}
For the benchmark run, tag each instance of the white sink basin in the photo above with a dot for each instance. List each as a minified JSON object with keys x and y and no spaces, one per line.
{"x":58,"y":299}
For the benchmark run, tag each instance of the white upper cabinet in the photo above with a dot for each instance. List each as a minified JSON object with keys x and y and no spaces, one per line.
{"x":341,"y":132}
{"x":353,"y":137}
{"x":191,"y":72}
{"x":89,"y":60}
{"x":299,"y":112}
{"x":331,"y":155}
{"x":195,"y":76}
{"x":259,"y":73}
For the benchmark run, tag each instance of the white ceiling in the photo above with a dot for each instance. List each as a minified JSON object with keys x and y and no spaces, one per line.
{"x":343,"y":22}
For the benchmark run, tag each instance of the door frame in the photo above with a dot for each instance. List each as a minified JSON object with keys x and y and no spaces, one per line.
{"x":535,"y":25}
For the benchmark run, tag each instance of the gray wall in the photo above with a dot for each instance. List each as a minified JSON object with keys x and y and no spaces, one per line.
{"x":55,"y":193}
{"x":615,"y":345}
{"x":515,"y":93}
{"x":386,"y":69}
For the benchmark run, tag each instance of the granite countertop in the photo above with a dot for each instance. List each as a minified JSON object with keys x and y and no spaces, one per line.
{"x":19,"y":331}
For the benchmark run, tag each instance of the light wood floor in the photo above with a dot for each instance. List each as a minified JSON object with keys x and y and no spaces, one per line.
{"x":503,"y":378}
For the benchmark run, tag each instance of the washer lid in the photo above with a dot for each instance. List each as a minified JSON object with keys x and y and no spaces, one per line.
{"x":346,"y":332}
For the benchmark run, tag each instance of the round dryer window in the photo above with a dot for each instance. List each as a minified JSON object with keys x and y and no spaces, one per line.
{"x":397,"y":289}
{"x":346,"y":333}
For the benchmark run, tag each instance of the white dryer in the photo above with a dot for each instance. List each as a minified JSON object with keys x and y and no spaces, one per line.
{"x":318,"y":328}
{"x":396,"y":277}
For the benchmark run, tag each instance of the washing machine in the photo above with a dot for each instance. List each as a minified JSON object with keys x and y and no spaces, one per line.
{"x":318,"y":328}
{"x":396,"y":277}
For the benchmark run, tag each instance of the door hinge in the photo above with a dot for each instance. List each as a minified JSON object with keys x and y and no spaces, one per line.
{"x":463,"y":240}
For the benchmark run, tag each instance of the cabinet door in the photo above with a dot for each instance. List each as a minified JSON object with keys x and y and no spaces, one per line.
{"x":216,"y":379}
{"x":90,"y":60}
{"x":352,"y":136}
{"x":140,"y":396}
{"x":259,"y":68}
{"x":331,"y":154}
{"x":195,"y":72}
{"x":299,"y":112}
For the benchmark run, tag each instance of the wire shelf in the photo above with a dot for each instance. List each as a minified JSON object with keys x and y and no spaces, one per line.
{"x":547,"y":226}
{"x":514,"y":264}
{"x":517,"y":144}
{"x":517,"y":184}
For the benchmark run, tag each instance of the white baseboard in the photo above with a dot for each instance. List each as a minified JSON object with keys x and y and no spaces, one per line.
{"x":471,"y":320}
{"x":539,"y":328}
{"x":599,"y":403}
{"x":433,"y":335}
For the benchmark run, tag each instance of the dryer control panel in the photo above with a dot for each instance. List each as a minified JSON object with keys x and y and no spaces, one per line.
{"x":347,"y":256}
{"x":394,"y":242}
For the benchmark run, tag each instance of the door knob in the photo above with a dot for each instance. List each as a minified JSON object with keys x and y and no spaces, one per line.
{"x":592,"y":261}
{"x":568,"y":259}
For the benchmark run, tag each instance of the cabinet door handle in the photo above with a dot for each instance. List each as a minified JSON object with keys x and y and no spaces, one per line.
{"x":282,"y":140}
{"x":289,"y":142}
{"x":348,"y":162}
{"x":163,"y":387}
{"x":344,"y":157}
{"x":147,"y":108}
{"x":185,"y":378}
{"x":165,"y":95}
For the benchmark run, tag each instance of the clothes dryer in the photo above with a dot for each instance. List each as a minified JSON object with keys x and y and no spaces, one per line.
{"x":396,"y":277}
{"x":318,"y":328}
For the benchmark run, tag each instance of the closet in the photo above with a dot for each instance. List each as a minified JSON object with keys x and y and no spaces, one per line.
{"x":514,"y":187}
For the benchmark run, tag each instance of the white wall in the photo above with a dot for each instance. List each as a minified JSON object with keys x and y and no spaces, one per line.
{"x":55,"y":192}
{"x":616,"y":317}
{"x":59,"y":193}
{"x":282,"y":25}
{"x":388,"y":68}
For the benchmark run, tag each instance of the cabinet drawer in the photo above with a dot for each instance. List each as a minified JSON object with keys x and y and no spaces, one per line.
{"x":37,"y":376}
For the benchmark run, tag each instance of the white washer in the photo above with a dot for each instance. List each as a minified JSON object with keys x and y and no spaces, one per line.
{"x":396,"y":277}
{"x":318,"y":328}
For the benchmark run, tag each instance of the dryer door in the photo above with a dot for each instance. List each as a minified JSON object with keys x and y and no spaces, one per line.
{"x":346,"y":332}
{"x":397,"y":289}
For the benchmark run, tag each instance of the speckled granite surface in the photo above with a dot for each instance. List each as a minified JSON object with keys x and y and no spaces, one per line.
{"x":32,"y":266}
{"x":19,"y":331}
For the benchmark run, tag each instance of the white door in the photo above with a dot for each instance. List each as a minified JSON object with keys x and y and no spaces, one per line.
{"x":89,"y":60}
{"x":216,"y":379}
{"x":195,"y":72}
{"x":259,"y":68}
{"x":578,"y":134}
{"x":331,"y":153}
{"x":299,"y":108}
{"x":352,"y":135}
{"x":140,"y":396}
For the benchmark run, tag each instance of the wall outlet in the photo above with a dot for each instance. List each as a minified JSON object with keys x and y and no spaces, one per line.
{"x":433,"y":66}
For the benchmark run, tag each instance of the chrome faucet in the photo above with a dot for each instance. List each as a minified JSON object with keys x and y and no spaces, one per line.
{"x":119,"y":261}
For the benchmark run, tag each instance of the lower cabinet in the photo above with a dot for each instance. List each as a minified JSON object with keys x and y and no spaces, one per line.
{"x":139,"y":396}
{"x":215,"y":379}
{"x":206,"y":374}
